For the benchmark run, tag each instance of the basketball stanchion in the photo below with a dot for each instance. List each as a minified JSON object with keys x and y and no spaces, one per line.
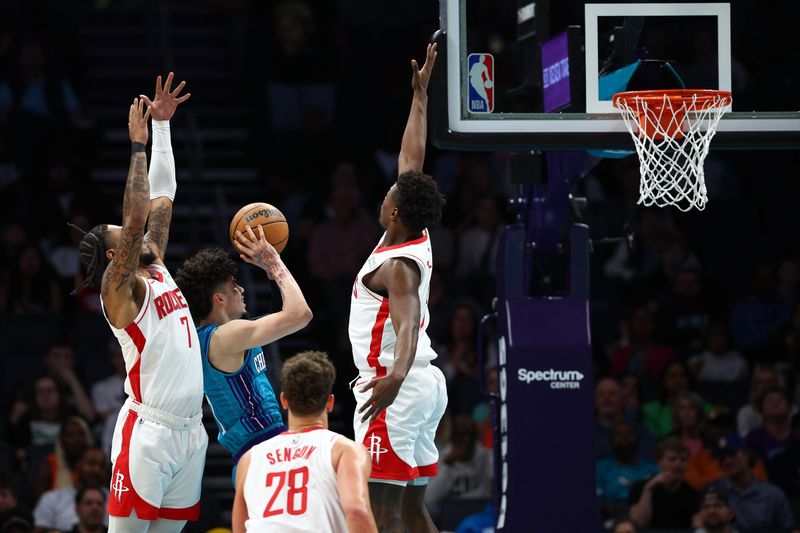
{"x":672,"y":131}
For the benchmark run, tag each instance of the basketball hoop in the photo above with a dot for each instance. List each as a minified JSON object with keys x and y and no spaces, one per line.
{"x":672,"y":130}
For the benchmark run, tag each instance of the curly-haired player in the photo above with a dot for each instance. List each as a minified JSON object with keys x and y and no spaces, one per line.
{"x":308,"y":478}
{"x":400,"y":396}
{"x":159,"y":445}
{"x":234,"y":367}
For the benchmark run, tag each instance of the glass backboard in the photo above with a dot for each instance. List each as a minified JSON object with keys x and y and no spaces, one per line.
{"x":521,"y":74}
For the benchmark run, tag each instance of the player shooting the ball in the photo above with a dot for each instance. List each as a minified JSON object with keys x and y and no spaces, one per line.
{"x":234,"y":368}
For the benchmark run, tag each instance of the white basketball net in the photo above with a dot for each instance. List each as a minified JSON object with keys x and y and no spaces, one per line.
{"x":675,"y":142}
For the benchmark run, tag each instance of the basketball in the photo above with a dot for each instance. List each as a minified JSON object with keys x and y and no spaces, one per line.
{"x":269,"y":217}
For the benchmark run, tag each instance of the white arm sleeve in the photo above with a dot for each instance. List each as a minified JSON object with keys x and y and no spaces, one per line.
{"x":162,"y":165}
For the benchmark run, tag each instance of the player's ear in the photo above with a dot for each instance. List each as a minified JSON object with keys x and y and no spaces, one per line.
{"x":217,"y":298}
{"x":284,"y":401}
{"x":110,"y":254}
{"x":329,"y":404}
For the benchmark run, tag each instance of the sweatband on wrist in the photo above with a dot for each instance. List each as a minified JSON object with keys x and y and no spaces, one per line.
{"x":137,"y":147}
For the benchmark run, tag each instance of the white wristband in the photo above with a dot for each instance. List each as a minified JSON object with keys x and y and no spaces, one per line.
{"x":162,"y":164}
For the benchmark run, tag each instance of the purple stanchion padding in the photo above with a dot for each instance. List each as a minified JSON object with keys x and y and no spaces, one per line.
{"x":544,"y":438}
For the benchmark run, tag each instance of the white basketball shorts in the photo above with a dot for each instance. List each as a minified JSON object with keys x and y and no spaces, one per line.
{"x":158,"y":463}
{"x":400,"y":440}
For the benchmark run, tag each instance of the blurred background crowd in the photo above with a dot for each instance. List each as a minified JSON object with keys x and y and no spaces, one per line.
{"x":696,"y":327}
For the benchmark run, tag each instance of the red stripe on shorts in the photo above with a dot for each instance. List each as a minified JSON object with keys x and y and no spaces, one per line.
{"x":122,"y":496}
{"x":386,"y":464}
{"x":187,"y":513}
{"x":377,"y":338}
{"x":429,"y":470}
{"x":134,"y":375}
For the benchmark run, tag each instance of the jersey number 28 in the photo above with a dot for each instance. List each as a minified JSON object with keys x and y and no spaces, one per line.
{"x":296,"y":493}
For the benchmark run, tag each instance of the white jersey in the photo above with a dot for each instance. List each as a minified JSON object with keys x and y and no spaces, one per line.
{"x":371,"y":332}
{"x":291,"y":484}
{"x":161,"y":350}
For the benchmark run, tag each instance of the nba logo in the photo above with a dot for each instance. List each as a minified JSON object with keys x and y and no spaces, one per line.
{"x":481,"y":83}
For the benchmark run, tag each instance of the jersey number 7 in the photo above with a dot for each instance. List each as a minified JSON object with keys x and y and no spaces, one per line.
{"x":296,"y":493}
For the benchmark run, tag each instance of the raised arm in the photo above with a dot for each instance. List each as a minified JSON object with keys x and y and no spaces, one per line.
{"x":401,"y":278}
{"x":162,"y":167}
{"x":352,"y":466}
{"x":236,"y":336}
{"x":412,"y":149}
{"x":119,"y":279}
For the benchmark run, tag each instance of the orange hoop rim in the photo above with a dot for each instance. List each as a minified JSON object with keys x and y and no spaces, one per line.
{"x":717,"y":98}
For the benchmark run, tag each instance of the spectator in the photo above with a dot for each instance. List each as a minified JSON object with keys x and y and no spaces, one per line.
{"x":35,"y":92}
{"x":465,"y":467}
{"x":615,"y":476}
{"x":688,"y":415}
{"x":477,"y":251}
{"x":775,"y":433}
{"x":299,"y":92}
{"x":716,"y":514}
{"x":704,"y":467}
{"x":666,"y":500}
{"x":609,"y":410}
{"x":460,"y":362}
{"x":758,"y":317}
{"x":624,"y":526}
{"x":37,"y":421}
{"x":12,"y":241}
{"x":63,"y":255}
{"x":631,"y":395}
{"x":461,"y":351}
{"x":684,"y":315}
{"x":30,"y":287}
{"x":90,"y":503}
{"x":439,"y":309}
{"x":785,"y":349}
{"x":60,"y":468}
{"x":719,"y":362}
{"x":789,"y":279}
{"x":676,"y":257}
{"x":339,"y":243}
{"x":60,"y":363}
{"x":478,"y":523}
{"x":785,"y":471}
{"x":637,"y":352}
{"x":627,"y":264}
{"x":658,"y":413}
{"x":749,"y":416}
{"x":8,"y":497}
{"x":56,"y":508}
{"x":757,"y":504}
{"x":108,"y":395}
{"x":16,"y":520}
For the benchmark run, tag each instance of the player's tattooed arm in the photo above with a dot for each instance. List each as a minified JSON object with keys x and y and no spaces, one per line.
{"x":412,"y":148}
{"x":158,"y":226}
{"x":119,"y":279}
{"x":232,"y":338}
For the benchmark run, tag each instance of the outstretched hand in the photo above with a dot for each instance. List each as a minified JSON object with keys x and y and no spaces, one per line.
{"x":137,"y":122}
{"x":421,"y":77}
{"x":165,"y":102}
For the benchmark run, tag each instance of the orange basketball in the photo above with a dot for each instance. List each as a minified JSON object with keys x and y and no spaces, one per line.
{"x":269,"y":217}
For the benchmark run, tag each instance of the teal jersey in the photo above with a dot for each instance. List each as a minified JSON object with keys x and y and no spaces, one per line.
{"x":243,"y":402}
